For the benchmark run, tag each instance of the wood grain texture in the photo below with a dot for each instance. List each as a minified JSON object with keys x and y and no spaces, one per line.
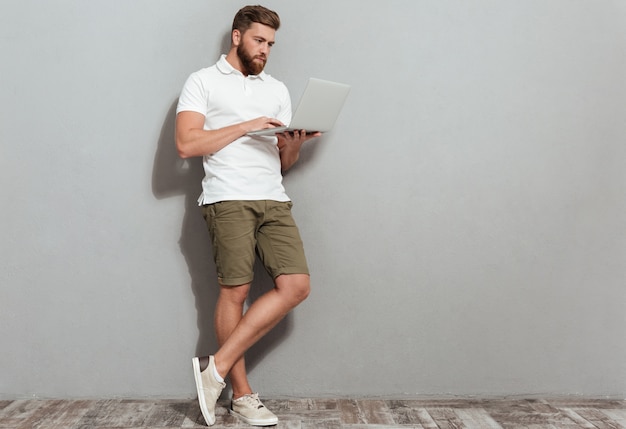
{"x":310,"y":413}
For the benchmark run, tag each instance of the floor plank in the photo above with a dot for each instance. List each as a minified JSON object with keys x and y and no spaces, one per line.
{"x":324,"y":413}
{"x":376,"y":412}
{"x":350,"y":412}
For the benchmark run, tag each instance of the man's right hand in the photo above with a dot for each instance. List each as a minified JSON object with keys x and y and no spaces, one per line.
{"x":193,"y":140}
{"x":263,"y":123}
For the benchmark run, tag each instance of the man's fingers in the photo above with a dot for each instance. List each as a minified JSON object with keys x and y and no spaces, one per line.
{"x":274,"y":122}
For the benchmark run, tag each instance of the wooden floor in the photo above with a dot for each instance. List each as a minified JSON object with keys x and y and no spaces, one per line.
{"x":321,"y":414}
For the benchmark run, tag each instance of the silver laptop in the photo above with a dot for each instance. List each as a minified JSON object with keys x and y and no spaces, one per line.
{"x":317,"y":110}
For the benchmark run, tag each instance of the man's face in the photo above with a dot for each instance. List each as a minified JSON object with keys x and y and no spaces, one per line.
{"x":254,"y":48}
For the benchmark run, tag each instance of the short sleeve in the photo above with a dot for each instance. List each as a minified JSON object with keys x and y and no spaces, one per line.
{"x":193,"y":97}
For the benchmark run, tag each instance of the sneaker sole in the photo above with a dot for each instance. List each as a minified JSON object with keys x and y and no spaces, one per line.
{"x":210,"y":420}
{"x":254,"y":422}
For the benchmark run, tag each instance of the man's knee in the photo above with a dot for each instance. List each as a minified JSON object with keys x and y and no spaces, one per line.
{"x":296,"y":286}
{"x":235,"y":294}
{"x":301,"y":291}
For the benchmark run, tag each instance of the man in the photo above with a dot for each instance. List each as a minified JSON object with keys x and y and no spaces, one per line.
{"x":244,"y":202}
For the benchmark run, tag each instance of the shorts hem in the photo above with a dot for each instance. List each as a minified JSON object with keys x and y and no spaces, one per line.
{"x":238,"y":281}
{"x":290,"y":270}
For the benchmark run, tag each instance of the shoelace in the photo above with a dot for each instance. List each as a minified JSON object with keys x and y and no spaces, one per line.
{"x":253,"y":400}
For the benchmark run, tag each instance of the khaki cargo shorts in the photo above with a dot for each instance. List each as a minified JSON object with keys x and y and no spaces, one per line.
{"x":241,"y":229}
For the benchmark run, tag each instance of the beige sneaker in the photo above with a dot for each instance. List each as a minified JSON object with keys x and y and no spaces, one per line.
{"x":209,"y":389}
{"x":251,"y":410}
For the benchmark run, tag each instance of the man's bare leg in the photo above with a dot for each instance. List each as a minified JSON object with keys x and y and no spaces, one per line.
{"x":228,"y":314}
{"x":265,"y":313}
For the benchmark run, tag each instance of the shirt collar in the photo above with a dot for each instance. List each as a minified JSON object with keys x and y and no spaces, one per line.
{"x":225,"y":67}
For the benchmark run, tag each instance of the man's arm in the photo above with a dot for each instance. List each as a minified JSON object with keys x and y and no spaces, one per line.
{"x":193,"y":140}
{"x":289,"y":145}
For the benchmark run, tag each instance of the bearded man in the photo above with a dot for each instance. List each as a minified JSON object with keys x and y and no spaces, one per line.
{"x":244,"y":203}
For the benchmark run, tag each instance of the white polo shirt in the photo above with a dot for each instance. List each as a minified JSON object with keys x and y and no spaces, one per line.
{"x":248,"y":168}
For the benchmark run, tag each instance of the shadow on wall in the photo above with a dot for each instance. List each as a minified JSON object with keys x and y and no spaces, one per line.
{"x":173,"y":176}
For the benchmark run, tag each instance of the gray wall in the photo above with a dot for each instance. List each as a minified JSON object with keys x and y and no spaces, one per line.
{"x":464,"y":221}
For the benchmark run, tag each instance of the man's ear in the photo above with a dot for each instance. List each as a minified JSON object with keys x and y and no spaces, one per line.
{"x":236,"y":37}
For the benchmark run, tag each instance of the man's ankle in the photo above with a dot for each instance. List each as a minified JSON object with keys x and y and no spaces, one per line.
{"x":241,"y":394}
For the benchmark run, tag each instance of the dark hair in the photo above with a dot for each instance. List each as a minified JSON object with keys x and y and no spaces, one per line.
{"x":250,"y":14}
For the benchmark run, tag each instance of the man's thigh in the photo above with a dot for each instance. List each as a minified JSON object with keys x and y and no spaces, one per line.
{"x":232,"y":226}
{"x":279,"y":244}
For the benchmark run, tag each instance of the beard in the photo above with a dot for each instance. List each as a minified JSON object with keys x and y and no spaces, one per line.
{"x":250,"y":66}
